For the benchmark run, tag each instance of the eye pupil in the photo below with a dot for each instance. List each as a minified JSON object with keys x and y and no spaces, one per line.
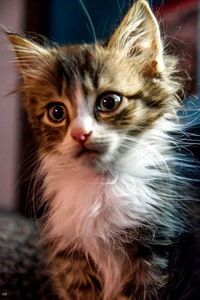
{"x":109,"y":102}
{"x":58,"y":112}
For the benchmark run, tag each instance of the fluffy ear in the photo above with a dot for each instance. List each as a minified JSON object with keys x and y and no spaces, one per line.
{"x":30,"y":55}
{"x":139,"y":33}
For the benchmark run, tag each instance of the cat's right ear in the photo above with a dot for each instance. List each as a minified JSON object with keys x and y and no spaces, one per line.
{"x":139,"y":33}
{"x":28,"y":53}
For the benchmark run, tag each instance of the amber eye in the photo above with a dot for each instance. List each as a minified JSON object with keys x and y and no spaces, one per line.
{"x":56,"y":112}
{"x":108,"y":102}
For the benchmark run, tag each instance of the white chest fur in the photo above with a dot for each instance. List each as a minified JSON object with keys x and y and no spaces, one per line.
{"x":90,"y":211}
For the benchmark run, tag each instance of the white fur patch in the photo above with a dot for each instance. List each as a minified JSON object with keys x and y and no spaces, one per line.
{"x":90,"y":210}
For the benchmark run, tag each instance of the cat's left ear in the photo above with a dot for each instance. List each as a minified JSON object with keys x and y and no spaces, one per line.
{"x":30,"y":55}
{"x":139,"y":34}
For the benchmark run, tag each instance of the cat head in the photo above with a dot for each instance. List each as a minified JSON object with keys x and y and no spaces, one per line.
{"x":92,"y":102}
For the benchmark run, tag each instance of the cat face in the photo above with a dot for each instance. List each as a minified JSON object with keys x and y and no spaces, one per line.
{"x":91,"y":103}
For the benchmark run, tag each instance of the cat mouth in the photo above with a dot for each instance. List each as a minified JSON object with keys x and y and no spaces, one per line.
{"x":86,"y":152}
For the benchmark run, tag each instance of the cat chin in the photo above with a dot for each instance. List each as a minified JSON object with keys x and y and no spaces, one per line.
{"x":98,"y":160}
{"x":90,"y":160}
{"x":94,"y":161}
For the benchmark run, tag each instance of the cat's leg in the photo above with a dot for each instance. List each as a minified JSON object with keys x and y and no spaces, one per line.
{"x":74,"y":278}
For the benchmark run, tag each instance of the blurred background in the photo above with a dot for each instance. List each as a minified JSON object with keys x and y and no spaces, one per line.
{"x":66,"y":21}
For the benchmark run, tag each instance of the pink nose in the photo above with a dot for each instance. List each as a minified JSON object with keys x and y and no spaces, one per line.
{"x":80,"y":135}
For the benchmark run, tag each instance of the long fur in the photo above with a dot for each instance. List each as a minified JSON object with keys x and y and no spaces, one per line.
{"x":90,"y":212}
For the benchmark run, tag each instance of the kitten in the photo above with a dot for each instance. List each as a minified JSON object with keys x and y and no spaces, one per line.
{"x":102,"y":114}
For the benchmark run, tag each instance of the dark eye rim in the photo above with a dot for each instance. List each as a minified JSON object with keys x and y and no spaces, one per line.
{"x":50,"y":105}
{"x":99,"y":98}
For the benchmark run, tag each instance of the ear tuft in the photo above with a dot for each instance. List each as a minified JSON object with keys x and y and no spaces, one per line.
{"x":28,"y":53}
{"x":139,"y":33}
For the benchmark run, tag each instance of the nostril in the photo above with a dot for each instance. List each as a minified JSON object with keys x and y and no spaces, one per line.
{"x":80,"y":136}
